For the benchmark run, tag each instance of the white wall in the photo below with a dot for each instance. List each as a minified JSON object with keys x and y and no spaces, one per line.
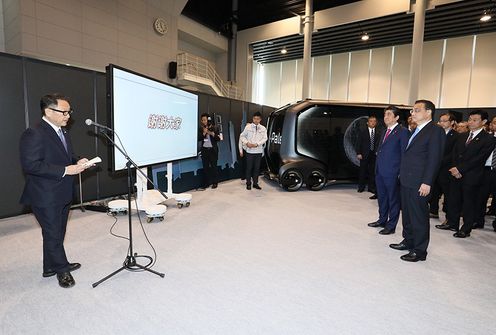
{"x":457,"y":72}
{"x":94,"y":33}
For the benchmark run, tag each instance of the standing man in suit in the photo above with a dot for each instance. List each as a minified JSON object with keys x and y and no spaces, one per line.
{"x":418,"y":170}
{"x":391,"y":147}
{"x":369,"y":140}
{"x":441,"y":186}
{"x":208,"y":136}
{"x":49,"y":165}
{"x":467,"y":171}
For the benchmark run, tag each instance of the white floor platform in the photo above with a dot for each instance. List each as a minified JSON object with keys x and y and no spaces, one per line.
{"x":251,"y":262}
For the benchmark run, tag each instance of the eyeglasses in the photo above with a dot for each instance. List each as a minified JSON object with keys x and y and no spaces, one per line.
{"x":416,"y":110}
{"x":65,"y":113}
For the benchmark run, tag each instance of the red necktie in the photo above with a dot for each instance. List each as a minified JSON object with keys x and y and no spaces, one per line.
{"x":387,"y":134}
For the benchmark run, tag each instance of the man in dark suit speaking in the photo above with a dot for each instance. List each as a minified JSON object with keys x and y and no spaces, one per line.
{"x":49,"y":165}
{"x":418,"y":170}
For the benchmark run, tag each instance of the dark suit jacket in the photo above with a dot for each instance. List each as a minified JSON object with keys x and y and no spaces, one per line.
{"x":43,"y":160}
{"x":390,"y":152}
{"x":421,"y":160}
{"x":214,"y":139}
{"x":364,"y":142}
{"x":470,"y":159}
{"x":446,"y":162}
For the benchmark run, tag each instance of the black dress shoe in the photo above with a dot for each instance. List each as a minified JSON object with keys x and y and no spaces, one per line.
{"x":445,"y":227}
{"x":360,"y":190}
{"x":214,"y":186}
{"x":375,"y":224}
{"x":66,"y":280}
{"x":412,"y":257}
{"x":398,"y":246}
{"x":72,"y":267}
{"x":373,"y":197}
{"x":257,"y":186}
{"x":461,"y":234}
{"x":248,"y":187}
{"x":386,"y":231}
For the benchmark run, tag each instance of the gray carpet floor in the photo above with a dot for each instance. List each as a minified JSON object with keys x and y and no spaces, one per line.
{"x":251,"y":262}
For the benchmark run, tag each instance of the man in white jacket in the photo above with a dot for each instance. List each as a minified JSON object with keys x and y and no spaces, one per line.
{"x":253,"y":139}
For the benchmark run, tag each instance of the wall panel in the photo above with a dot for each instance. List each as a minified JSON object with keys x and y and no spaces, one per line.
{"x":359,"y":76}
{"x":401,"y":74}
{"x":339,"y":77}
{"x":430,"y":75}
{"x":456,"y":72}
{"x":288,"y":82}
{"x":380,"y":75}
{"x":483,"y":88}
{"x":320,"y":78}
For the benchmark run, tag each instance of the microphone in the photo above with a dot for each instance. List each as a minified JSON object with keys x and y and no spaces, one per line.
{"x":92,"y":123}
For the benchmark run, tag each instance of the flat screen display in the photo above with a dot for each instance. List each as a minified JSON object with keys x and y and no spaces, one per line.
{"x":156,"y":122}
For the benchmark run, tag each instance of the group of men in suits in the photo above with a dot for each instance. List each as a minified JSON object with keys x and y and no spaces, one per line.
{"x":414,"y":168}
{"x":470,"y":175}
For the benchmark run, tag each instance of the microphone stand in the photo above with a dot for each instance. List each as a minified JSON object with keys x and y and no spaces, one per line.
{"x":130,"y":262}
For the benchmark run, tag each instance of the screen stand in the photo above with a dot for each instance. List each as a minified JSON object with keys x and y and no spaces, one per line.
{"x":130,"y":263}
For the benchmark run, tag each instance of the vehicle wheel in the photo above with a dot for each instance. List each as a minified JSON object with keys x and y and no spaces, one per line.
{"x":316,"y":181}
{"x":291,"y":180}
{"x":187,"y":204}
{"x":149,"y":220}
{"x":161,"y":218}
{"x":179,"y":205}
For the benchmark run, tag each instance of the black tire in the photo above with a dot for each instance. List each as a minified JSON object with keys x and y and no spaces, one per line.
{"x":187,"y":204}
{"x":291,"y":180}
{"x":316,"y":180}
{"x":179,"y":205}
{"x":161,"y":218}
{"x":149,"y":220}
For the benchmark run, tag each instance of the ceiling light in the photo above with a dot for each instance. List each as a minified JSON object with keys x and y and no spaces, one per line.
{"x":485,"y":17}
{"x":284,"y":51}
{"x":365,"y":37}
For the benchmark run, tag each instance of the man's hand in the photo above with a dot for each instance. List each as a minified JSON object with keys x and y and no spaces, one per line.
{"x":205,"y":131}
{"x":241,"y":154}
{"x":455,"y":173}
{"x":82,"y":161}
{"x":360,"y":157}
{"x":74,"y":169}
{"x":424,"y":190}
{"x":251,"y":145}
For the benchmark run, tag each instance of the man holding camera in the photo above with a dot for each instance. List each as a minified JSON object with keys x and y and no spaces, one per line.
{"x":208,"y":136}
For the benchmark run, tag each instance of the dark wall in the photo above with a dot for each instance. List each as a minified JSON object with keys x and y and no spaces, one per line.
{"x":23,"y":81}
{"x":13,"y":123}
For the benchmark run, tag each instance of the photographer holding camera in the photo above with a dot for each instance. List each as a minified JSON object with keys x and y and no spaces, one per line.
{"x":208,"y":136}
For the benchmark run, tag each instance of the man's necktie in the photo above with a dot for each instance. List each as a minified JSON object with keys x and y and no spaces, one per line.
{"x":470,"y":137}
{"x":62,"y":138}
{"x":387,"y":134}
{"x":413,"y":136}
{"x":372,"y":140}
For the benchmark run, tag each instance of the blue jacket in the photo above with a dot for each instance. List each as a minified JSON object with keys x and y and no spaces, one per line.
{"x":390,"y":151}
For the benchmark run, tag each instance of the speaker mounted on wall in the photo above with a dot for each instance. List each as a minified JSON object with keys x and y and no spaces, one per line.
{"x":172,"y":70}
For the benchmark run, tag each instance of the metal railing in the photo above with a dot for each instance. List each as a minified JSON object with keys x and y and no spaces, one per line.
{"x":201,"y":68}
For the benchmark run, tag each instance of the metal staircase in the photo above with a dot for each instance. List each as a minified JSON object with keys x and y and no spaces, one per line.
{"x":198,"y":71}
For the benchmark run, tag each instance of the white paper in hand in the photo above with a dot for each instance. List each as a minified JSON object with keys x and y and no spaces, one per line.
{"x":93,"y":161}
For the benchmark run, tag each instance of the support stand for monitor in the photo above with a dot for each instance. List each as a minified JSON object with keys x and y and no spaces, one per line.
{"x":130,"y":263}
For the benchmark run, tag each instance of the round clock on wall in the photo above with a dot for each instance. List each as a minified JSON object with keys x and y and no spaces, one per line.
{"x":160,"y":26}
